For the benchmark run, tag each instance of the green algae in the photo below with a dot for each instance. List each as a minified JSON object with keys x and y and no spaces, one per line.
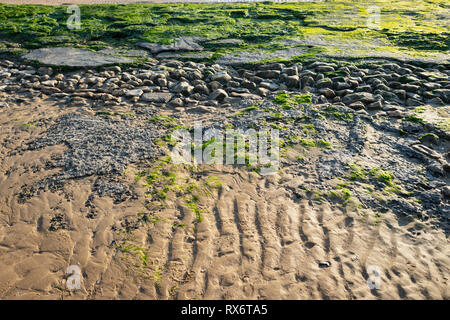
{"x":419,"y":26}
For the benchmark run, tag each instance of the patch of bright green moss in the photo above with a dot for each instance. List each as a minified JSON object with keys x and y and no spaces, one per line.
{"x":418,"y":26}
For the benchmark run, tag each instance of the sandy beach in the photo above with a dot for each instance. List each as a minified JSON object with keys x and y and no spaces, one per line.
{"x":259,"y":238}
{"x":357,"y":206}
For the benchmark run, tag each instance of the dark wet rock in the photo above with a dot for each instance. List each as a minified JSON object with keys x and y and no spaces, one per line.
{"x":269,"y":85}
{"x":159,"y":97}
{"x":5,"y":75}
{"x":446,"y":167}
{"x":444,"y":94}
{"x":218,"y":95}
{"x":45,"y":71}
{"x":222,"y":76}
{"x":428,"y":95}
{"x":214,"y":85}
{"x":364,"y":88}
{"x":400,"y":93}
{"x":412,"y":127}
{"x":430,"y":198}
{"x":320,"y":65}
{"x":194,"y":75}
{"x":271,"y":66}
{"x":377,"y":105}
{"x":358,"y":105}
{"x":324,"y":83}
{"x":292,"y":81}
{"x":413,"y":96}
{"x":268,"y":74}
{"x":336,"y":99}
{"x":411,"y":153}
{"x":263,"y":91}
{"x":389,"y":96}
{"x":321,"y":100}
{"x":246,"y":96}
{"x":202,"y":89}
{"x":324,"y":68}
{"x":62,"y":56}
{"x":404,"y":71}
{"x":411,"y":88}
{"x":426,"y":151}
{"x":446,"y":192}
{"x":403,"y":207}
{"x":177,"y":74}
{"x":134,"y":93}
{"x":344,"y":92}
{"x":327,"y":92}
{"x":182,"y":87}
{"x":308,"y":73}
{"x":354,"y":83}
{"x":364,"y":97}
{"x":435,"y":169}
{"x":49,"y":90}
{"x":410,"y":102}
{"x":431,"y":86}
{"x":176,"y":103}
{"x":233,"y":84}
{"x":382,"y":87}
{"x":248,"y":84}
{"x":407,"y":78}
{"x":162,"y":82}
{"x":292,"y":71}
{"x":395,"y":113}
{"x":342,"y":85}
{"x":307,"y":81}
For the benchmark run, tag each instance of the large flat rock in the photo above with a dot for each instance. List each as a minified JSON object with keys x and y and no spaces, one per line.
{"x":357,"y":48}
{"x":244,"y":57}
{"x":184,"y":55}
{"x":182,"y":44}
{"x":125,"y":53}
{"x":71,"y":57}
{"x":160,"y":97}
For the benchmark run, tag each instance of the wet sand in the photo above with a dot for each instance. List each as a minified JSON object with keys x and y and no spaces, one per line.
{"x":255,"y":241}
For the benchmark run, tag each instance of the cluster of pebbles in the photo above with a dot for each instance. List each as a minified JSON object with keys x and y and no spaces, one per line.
{"x":195,"y":87}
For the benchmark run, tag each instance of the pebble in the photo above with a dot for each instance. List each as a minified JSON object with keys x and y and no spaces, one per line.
{"x":446,"y":192}
{"x":221,"y":77}
{"x":324,"y":264}
{"x":218,"y":95}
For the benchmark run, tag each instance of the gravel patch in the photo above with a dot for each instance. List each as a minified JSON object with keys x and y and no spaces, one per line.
{"x":97,"y":146}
